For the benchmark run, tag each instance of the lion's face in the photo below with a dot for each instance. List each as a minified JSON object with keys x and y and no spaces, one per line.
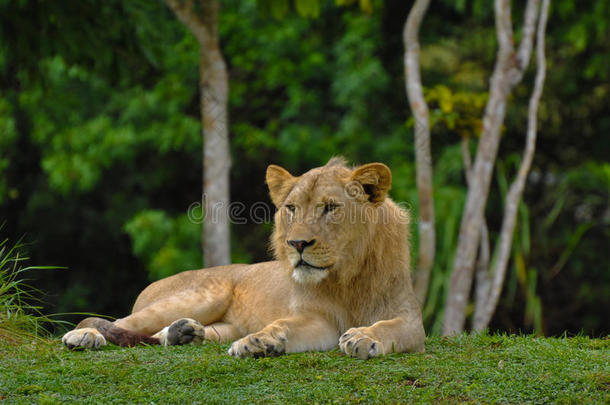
{"x":324,"y":216}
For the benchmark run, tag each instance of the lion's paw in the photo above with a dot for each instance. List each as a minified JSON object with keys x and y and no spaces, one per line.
{"x":356,"y":343}
{"x":257,"y":345}
{"x":85,"y":338}
{"x":182,"y":332}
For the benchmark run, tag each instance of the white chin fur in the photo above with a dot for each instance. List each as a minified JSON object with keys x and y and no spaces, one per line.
{"x":306,"y":275}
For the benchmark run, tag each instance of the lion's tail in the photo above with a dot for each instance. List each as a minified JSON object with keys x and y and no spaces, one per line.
{"x":116,"y":335}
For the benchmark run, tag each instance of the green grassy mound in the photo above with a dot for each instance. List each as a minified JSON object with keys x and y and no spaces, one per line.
{"x":462,"y":369}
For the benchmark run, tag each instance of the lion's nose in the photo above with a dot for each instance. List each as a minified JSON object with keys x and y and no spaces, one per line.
{"x":300,"y":245}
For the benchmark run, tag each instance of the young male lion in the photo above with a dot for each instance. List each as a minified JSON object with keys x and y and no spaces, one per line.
{"x":341,"y":276}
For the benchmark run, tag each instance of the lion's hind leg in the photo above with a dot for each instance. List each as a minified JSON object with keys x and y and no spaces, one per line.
{"x":84,"y":338}
{"x":189,"y":331}
{"x":92,"y":333}
{"x":181,"y":332}
{"x":176,"y":318}
{"x":182,"y":317}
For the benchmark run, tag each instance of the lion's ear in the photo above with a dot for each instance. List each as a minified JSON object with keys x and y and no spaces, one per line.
{"x":280,"y":182}
{"x":376,"y":180}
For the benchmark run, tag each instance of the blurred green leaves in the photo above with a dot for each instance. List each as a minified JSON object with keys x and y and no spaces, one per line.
{"x":8,"y":135}
{"x":306,"y":8}
{"x":166,"y":245}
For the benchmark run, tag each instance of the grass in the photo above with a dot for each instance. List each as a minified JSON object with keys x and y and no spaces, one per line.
{"x":461,"y":369}
{"x":20,"y":317}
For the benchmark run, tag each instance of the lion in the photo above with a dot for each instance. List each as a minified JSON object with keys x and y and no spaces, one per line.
{"x":341,"y":276}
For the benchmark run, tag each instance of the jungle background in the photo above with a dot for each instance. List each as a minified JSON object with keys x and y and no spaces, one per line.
{"x":100,"y":140}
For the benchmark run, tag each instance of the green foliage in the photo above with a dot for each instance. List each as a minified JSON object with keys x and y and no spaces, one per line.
{"x":458,"y":112}
{"x":295,"y":71}
{"x":462,"y":369}
{"x":365,"y":5}
{"x":306,"y":8}
{"x":166,"y":245}
{"x":8,"y":135}
{"x":81,"y":141}
{"x":575,"y":224}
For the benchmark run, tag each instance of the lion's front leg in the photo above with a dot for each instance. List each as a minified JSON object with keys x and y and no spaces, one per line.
{"x":290,"y":335}
{"x":383,"y":337}
{"x":260,"y":344}
{"x":181,"y":332}
{"x":361,"y":343}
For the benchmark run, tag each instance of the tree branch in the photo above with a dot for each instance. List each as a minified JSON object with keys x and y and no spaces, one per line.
{"x":423,"y":159}
{"x":516,"y":189}
{"x":195,"y":23}
{"x":527,"y":39}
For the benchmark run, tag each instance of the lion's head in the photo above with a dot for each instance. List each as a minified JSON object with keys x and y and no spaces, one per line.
{"x":333,"y":221}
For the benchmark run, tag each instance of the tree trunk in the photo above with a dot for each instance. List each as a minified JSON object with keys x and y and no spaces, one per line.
{"x":508,"y":71}
{"x":214,"y":90}
{"x":423,"y":159}
{"x":483,"y":316}
{"x":482,"y":266}
{"x":216,"y":159}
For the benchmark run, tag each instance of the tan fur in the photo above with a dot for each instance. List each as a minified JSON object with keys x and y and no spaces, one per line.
{"x":350,"y":285}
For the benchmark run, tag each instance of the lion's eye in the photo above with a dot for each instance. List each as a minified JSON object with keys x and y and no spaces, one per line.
{"x":330,"y":207}
{"x":290,"y":207}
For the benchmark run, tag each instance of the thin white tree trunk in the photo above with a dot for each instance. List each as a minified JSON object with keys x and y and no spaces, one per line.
{"x":483,"y":280}
{"x":507,"y":73}
{"x":482,"y":319}
{"x":423,"y":158}
{"x":214,"y":90}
